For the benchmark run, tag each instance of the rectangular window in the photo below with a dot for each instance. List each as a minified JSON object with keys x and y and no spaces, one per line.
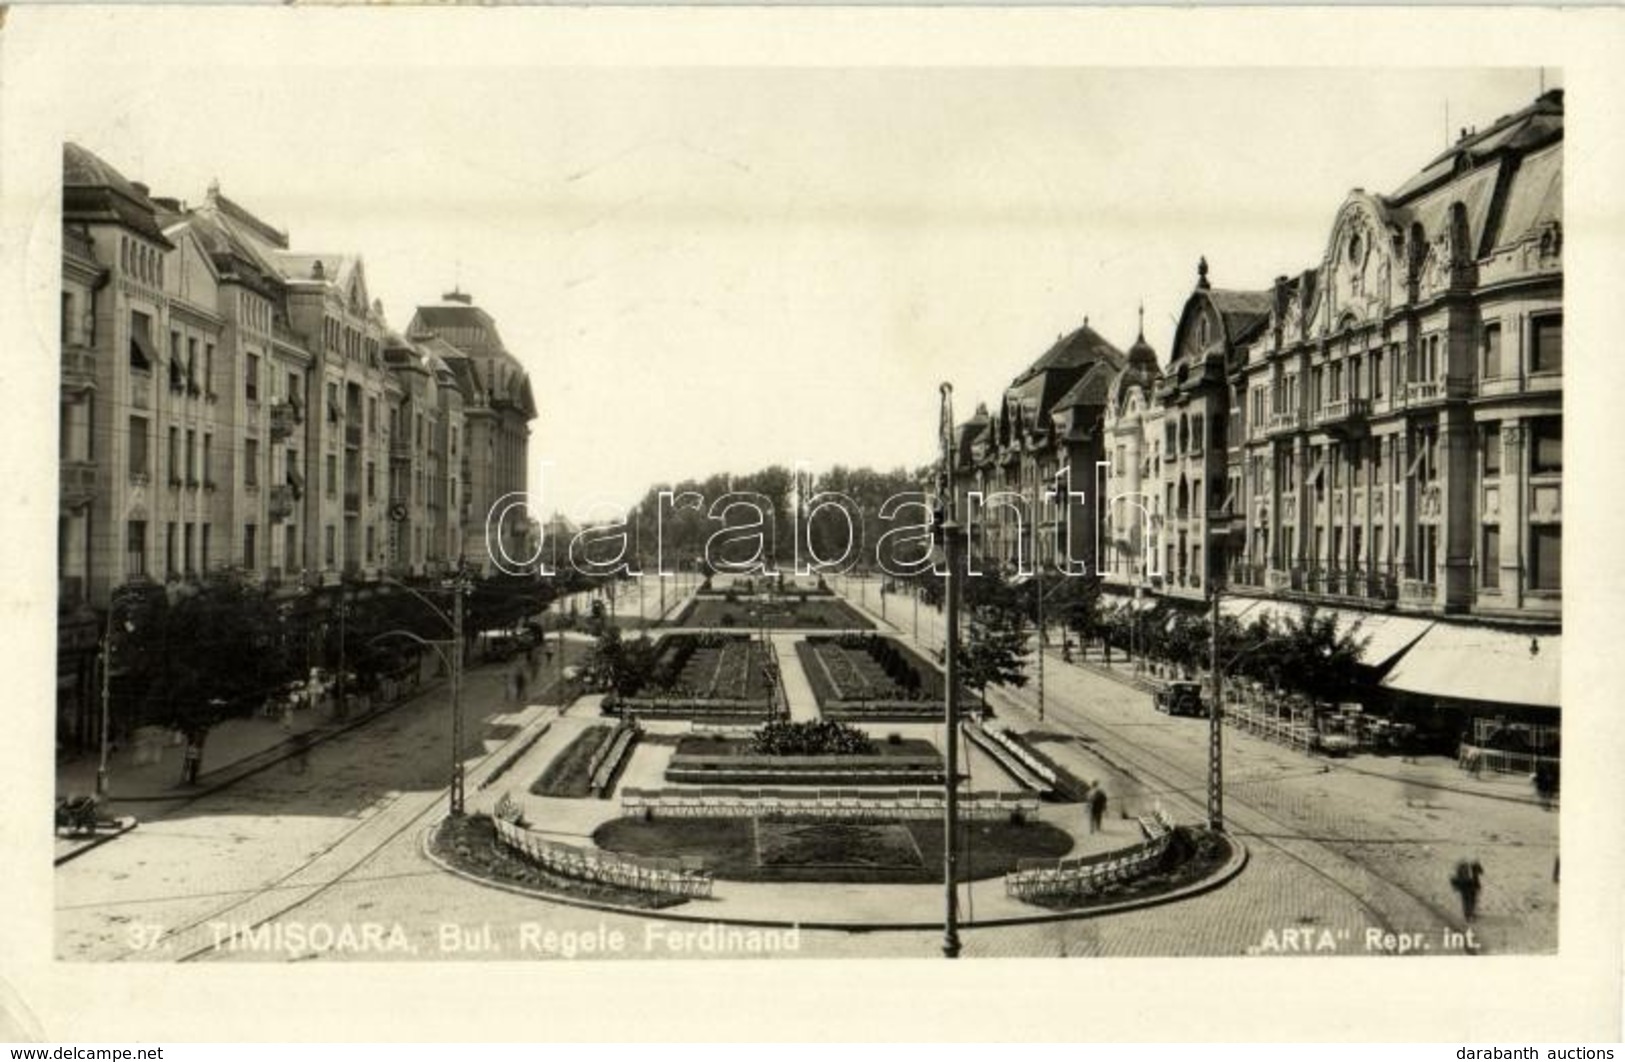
{"x":169,"y":549}
{"x":371,"y":543}
{"x":1546,"y":556}
{"x":191,"y":457}
{"x":372,"y":424}
{"x":1546,"y":445}
{"x":1546,"y":346}
{"x":208,"y":369}
{"x":208,"y":465}
{"x":188,"y":540}
{"x":1492,"y":351}
{"x":372,"y":493}
{"x":138,"y":447}
{"x":191,"y":364}
{"x":333,"y":485}
{"x":251,"y":378}
{"x":1376,"y":378}
{"x":331,"y":553}
{"x":135,"y":549}
{"x":251,"y":464}
{"x":1489,"y":559}
{"x":175,"y":459}
{"x":1492,"y":451}
{"x":203,"y":553}
{"x":251,"y":551}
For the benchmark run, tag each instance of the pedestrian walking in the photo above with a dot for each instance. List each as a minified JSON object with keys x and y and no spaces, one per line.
{"x":1545,"y":779}
{"x":519,"y":683}
{"x":1468,"y":881}
{"x":1097,"y":809}
{"x":192,"y":763}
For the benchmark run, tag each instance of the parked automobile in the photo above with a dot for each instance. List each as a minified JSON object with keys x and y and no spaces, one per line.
{"x":1181,"y":698}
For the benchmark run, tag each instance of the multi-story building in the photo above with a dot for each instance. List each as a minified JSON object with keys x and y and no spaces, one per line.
{"x":1049,"y":422}
{"x":227,"y":403}
{"x":1381,"y":434}
{"x":497,"y":411}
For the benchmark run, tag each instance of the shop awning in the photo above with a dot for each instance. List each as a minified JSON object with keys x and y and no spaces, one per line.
{"x":1481,"y":664}
{"x":1384,"y":635}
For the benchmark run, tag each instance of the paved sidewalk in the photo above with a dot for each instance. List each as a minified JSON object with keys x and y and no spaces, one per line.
{"x":798,"y":691}
{"x":1423,"y":772}
{"x":151,"y":772}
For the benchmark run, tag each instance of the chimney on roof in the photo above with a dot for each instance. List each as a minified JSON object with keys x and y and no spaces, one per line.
{"x":459,"y":296}
{"x":168,"y":203}
{"x":141,"y":190}
{"x":1201,"y":272}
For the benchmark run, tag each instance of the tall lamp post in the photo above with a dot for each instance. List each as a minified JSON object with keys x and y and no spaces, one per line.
{"x":102,"y":769}
{"x":1219,"y":527}
{"x":953,"y":544}
{"x":458,"y":586}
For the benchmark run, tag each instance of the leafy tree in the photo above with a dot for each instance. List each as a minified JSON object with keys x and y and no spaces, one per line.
{"x":994,"y":654}
{"x":620,"y":666}
{"x":199,"y":655}
{"x":1075,"y":601}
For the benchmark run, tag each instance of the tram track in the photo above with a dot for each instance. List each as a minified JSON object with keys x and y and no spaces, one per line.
{"x":335,"y":862}
{"x":1391,"y":905}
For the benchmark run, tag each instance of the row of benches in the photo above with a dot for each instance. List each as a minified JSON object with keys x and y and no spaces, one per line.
{"x":988,"y":741}
{"x":876,"y":804}
{"x":607,"y":760}
{"x":666,"y":876}
{"x":1036,"y":879}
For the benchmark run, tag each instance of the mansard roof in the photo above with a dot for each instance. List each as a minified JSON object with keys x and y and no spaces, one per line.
{"x":94,"y":192}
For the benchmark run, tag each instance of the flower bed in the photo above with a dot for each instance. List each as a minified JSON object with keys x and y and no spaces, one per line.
{"x":865,"y":676}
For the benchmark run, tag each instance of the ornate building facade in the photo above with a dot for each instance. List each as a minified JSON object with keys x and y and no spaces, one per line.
{"x":230,"y":403}
{"x":1380,"y":433}
{"x":1044,"y":435}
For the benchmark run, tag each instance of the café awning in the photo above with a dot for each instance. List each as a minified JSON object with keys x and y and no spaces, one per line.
{"x":1482,"y":664}
{"x":1383,"y":635}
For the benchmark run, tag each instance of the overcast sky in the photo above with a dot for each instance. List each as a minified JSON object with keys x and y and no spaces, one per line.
{"x":715,"y":269}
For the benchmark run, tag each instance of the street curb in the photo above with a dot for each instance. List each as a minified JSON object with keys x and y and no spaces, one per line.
{"x":1239,"y":858}
{"x":1441,"y":786}
{"x":279,"y":752}
{"x":125,"y":825}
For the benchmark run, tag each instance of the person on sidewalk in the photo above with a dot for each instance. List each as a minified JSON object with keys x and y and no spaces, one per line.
{"x":192,"y":763}
{"x":1468,"y":881}
{"x":1097,"y":808}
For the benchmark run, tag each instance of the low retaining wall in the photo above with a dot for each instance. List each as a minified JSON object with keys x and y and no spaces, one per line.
{"x":667,"y":876}
{"x":1038,"y":879}
{"x":823,"y":803}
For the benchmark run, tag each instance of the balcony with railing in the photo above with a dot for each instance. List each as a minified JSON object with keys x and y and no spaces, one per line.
{"x":1289,"y":420}
{"x":140,"y":390}
{"x":400,"y":446}
{"x":352,"y":433}
{"x":282,"y":421}
{"x":78,"y":483}
{"x":78,"y":368}
{"x":280,"y":503}
{"x":1417,"y":592}
{"x":1342,"y":410}
{"x":1427,"y":392}
{"x":1251,"y":575}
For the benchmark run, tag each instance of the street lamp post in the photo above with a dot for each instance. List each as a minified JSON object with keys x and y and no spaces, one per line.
{"x":107,"y":698}
{"x":458,"y":586}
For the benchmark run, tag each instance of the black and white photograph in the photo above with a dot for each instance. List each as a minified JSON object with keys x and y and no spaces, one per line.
{"x":611,"y":510}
